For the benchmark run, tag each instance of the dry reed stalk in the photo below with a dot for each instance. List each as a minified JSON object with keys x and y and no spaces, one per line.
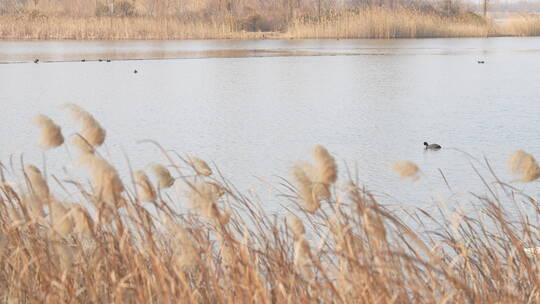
{"x":406,"y":169}
{"x":91,"y":130}
{"x":51,"y":133}
{"x":524,"y":164}
{"x":165,"y":180}
{"x":366,"y":252}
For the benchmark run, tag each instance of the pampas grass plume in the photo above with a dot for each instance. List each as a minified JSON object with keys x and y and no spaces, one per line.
{"x":145,"y":190}
{"x":326,"y":168}
{"x":91,"y":130}
{"x":105,"y":179}
{"x":406,"y":169}
{"x":165,"y":180}
{"x":200,"y":166}
{"x":307,"y":199}
{"x":51,"y":133}
{"x":61,"y":219}
{"x":82,"y":220}
{"x":524,"y":164}
{"x":38,"y":185}
{"x":202,"y":198}
{"x":296,"y":225}
{"x":82,"y":145}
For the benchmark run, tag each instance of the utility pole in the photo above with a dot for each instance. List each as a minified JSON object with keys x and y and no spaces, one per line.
{"x":485,"y":8}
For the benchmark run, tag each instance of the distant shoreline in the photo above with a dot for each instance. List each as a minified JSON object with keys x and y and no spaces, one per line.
{"x":375,"y":23}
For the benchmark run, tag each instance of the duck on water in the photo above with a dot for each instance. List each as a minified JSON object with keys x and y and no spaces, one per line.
{"x":432,"y":146}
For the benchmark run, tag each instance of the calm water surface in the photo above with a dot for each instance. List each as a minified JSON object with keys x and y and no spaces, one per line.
{"x":255,"y":107}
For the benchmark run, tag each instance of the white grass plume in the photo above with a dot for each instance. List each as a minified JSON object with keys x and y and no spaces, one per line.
{"x":51,"y":134}
{"x":91,"y":130}
{"x":524,"y":164}
{"x":406,"y":169}
{"x":105,"y":179}
{"x":145,"y":190}
{"x":165,"y":180}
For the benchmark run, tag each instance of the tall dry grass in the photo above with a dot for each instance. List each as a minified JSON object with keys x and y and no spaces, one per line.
{"x":127,"y":241}
{"x":117,"y":28}
{"x":521,"y":25}
{"x":384,"y":23}
{"x":375,"y":22}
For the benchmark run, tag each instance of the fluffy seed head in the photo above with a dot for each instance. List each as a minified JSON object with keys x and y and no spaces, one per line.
{"x":61,"y":218}
{"x":91,"y":130}
{"x":307,"y":199}
{"x":296,"y":225}
{"x":165,"y":180}
{"x":185,"y":255}
{"x":145,"y":190}
{"x":524,"y":164}
{"x":38,"y":185}
{"x":202,"y":198}
{"x":104,"y":177}
{"x":200,"y":166}
{"x":406,"y":169}
{"x":326,"y":168}
{"x":82,"y":220}
{"x":302,"y":258}
{"x":51,"y":133}
{"x":82,"y":145}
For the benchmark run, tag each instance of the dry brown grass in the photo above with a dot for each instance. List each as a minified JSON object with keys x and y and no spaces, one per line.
{"x":116,"y":28}
{"x":367,"y":23}
{"x":228,"y":249}
{"x":384,"y":23}
{"x":521,"y":25}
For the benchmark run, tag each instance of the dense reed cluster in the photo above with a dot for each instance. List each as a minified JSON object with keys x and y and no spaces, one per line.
{"x":185,"y":235}
{"x":376,"y":22}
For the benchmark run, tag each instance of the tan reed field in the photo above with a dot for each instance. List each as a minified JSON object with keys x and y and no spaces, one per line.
{"x":366,"y":23}
{"x":98,"y":240}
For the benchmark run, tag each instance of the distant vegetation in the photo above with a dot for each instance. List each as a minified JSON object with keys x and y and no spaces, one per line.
{"x":248,"y":19}
{"x":187,"y":235}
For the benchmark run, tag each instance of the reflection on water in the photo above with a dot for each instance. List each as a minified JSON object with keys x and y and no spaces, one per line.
{"x":255,"y":107}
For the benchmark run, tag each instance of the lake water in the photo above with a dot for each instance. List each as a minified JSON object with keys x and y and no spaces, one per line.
{"x":254,"y":108}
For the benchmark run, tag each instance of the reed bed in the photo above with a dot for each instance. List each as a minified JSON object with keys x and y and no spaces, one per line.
{"x":521,"y":25}
{"x":367,"y":23}
{"x":384,"y":24}
{"x":117,"y":28}
{"x":186,"y":234}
